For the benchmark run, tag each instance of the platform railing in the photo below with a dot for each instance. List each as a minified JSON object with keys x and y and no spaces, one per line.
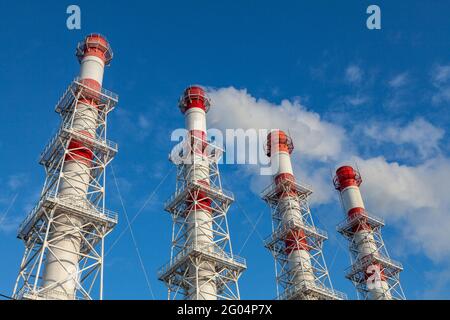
{"x":273,"y":188}
{"x":67,"y":128}
{"x":193,"y":185}
{"x":74,"y":202}
{"x":350,"y":221}
{"x":294,"y":224}
{"x":306,"y":286}
{"x":215,"y":252}
{"x":363,"y":263}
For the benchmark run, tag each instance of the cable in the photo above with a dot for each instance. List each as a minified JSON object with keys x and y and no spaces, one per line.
{"x":247,"y":217}
{"x":251,"y":232}
{"x":9,"y":207}
{"x":138,"y":213}
{"x":141,"y":262}
{"x":7,"y":297}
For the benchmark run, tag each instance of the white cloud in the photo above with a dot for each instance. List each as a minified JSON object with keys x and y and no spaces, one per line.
{"x":414,"y":199}
{"x":437,"y":283}
{"x":144,"y":122}
{"x":16,"y":181}
{"x":421,"y":134}
{"x":443,"y":95}
{"x":353,"y":74}
{"x":440,"y":77}
{"x":137,"y":126}
{"x":356,"y":100}
{"x":399,"y":93}
{"x":399,"y":80}
{"x":441,"y":73}
{"x":314,"y":137}
{"x":317,"y":142}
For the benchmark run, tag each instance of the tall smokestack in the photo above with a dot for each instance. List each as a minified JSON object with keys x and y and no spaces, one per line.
{"x":202,"y":265}
{"x":70,"y":219}
{"x":374,"y":274}
{"x":295,"y":243}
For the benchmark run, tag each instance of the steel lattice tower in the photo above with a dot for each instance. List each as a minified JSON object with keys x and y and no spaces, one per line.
{"x":296,"y":244}
{"x":64,"y":233}
{"x":374,"y":274}
{"x":202,"y":264}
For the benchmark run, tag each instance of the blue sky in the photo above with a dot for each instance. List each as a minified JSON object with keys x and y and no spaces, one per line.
{"x":379,"y":98}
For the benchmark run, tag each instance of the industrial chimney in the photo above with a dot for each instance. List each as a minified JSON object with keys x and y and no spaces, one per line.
{"x":64,"y":233}
{"x":296,"y":244}
{"x":202,"y":264}
{"x":374,"y":274}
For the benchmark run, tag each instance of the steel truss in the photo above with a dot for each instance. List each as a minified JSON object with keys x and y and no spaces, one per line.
{"x":83,"y":216}
{"x":321,"y":288}
{"x":188,"y":257}
{"x":389,"y":268}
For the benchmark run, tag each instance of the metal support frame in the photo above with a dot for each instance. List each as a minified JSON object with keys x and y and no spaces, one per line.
{"x":84,"y":216}
{"x":187,"y":256}
{"x":357,"y":271}
{"x":321,"y":288}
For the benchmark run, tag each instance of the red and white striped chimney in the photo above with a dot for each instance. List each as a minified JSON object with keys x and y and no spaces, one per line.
{"x":194,"y":104}
{"x":93,"y":54}
{"x":347,"y":182}
{"x":279,"y":149}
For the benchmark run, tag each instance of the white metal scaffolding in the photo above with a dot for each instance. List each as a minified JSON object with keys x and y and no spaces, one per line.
{"x":82,"y":219}
{"x":300,"y":230}
{"x":194,"y":264}
{"x":357,"y":272}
